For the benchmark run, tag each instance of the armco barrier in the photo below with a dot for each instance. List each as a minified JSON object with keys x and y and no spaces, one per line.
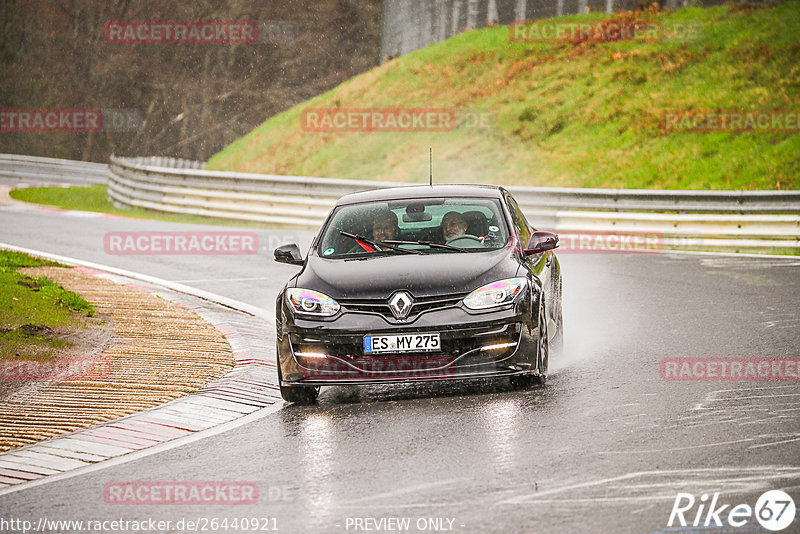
{"x":716,"y":220}
{"x":34,"y":169}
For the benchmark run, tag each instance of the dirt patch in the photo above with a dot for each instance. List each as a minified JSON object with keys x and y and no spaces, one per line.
{"x":148,"y":352}
{"x":36,"y":330}
{"x":89,"y":341}
{"x":30,"y":283}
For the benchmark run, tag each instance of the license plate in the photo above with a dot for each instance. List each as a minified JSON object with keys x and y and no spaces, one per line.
{"x":427,"y":342}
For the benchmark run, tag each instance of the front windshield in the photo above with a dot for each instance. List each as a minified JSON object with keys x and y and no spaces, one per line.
{"x":428,"y":225}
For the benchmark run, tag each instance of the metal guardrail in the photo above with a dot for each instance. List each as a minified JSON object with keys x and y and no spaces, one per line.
{"x":163,"y":161}
{"x":747,"y":220}
{"x":37,"y":170}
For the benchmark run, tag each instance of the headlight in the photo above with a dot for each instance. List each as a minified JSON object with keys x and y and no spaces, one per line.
{"x":311,"y":302}
{"x":496,"y":294}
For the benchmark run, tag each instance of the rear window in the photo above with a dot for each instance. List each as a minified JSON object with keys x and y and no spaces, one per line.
{"x":469,"y":224}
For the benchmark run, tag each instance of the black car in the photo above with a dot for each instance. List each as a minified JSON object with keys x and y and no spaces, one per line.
{"x":419,"y":283}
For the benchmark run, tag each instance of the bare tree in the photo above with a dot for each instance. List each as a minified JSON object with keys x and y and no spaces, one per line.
{"x":193,"y":99}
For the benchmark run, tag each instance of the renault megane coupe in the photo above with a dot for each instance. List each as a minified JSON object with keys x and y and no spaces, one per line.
{"x":419,"y":283}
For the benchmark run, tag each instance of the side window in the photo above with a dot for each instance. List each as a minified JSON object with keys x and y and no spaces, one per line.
{"x":520,"y":222}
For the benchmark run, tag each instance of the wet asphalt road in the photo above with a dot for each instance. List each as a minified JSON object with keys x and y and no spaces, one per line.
{"x":604,"y":447}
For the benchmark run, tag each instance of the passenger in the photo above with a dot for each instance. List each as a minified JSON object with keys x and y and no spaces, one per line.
{"x":453,"y":226}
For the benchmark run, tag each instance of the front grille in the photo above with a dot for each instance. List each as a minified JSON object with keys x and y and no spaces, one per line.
{"x":455,"y":343}
{"x":421,"y":305}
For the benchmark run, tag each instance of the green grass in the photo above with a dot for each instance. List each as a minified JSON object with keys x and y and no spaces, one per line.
{"x":563,"y":114}
{"x":11,"y":261}
{"x":92,"y":198}
{"x":95,"y":198}
{"x":31,"y":308}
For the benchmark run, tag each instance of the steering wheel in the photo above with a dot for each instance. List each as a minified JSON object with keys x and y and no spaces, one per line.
{"x":466,"y":237}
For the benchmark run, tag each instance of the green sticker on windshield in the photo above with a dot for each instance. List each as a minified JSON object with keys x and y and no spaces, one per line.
{"x":329,"y":252}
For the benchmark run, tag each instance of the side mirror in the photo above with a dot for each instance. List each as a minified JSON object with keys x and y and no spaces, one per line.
{"x":541,"y":242}
{"x":289,"y":254}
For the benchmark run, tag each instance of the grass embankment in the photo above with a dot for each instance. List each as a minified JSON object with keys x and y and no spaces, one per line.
{"x":32,"y":310}
{"x":583,"y":114}
{"x":95,"y":198}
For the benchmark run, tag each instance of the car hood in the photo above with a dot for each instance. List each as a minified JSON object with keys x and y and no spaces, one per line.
{"x":422,"y":275}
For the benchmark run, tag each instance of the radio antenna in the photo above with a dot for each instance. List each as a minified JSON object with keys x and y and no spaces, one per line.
{"x":430,"y":164}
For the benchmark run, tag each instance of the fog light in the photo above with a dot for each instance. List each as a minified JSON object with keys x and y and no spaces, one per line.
{"x":318,"y":355}
{"x":498,"y":346}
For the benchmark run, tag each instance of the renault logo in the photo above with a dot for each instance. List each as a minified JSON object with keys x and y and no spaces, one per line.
{"x":400,"y":304}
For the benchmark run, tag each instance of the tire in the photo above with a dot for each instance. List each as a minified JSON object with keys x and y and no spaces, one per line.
{"x":303,"y":395}
{"x":543,"y":356}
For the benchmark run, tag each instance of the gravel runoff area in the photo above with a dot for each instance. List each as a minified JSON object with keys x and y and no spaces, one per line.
{"x":160,"y":352}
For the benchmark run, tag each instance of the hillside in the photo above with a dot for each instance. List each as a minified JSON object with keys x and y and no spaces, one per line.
{"x":584,"y":113}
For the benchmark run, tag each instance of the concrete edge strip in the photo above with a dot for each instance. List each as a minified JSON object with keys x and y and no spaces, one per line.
{"x":155,"y":449}
{"x":223,"y":404}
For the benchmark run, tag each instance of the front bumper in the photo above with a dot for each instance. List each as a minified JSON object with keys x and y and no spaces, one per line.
{"x":473,"y":345}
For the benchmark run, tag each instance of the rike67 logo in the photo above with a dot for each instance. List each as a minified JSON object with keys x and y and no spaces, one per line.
{"x":774,"y":511}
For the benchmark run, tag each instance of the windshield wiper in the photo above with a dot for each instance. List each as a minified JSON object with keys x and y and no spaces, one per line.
{"x":387,"y":244}
{"x":428,"y":243}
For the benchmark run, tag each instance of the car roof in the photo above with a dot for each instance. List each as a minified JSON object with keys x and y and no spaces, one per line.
{"x":423,"y":191}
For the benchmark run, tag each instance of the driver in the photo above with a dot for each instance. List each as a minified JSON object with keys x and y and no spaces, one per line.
{"x":453,"y":226}
{"x":384,"y":228}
